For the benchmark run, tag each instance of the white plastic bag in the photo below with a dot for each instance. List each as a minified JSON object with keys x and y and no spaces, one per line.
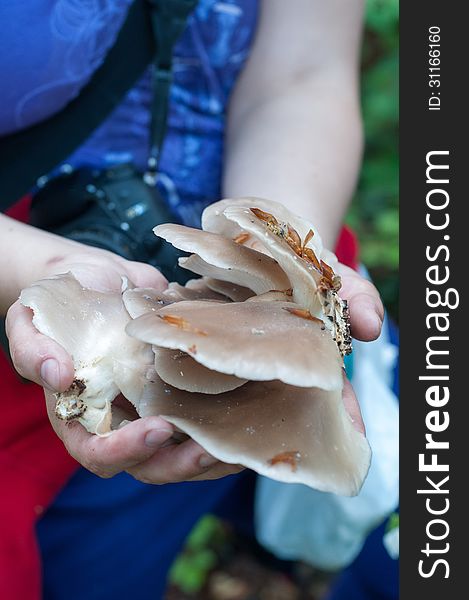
{"x":298,"y":523}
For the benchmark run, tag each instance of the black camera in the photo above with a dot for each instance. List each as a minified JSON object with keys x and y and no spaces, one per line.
{"x":114,"y":209}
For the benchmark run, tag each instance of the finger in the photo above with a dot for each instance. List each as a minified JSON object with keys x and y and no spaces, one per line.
{"x":36,"y":356}
{"x":365,"y":318}
{"x":218,"y":471}
{"x":121,"y":450}
{"x":366,"y":308}
{"x":352,"y":407}
{"x":175,"y":463}
{"x":144,"y":275}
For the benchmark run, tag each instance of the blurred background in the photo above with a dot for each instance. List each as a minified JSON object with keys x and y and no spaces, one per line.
{"x":374,"y":212}
{"x":218,"y":563}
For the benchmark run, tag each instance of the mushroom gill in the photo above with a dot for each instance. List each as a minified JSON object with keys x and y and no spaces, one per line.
{"x":234,"y":292}
{"x":216,"y":256}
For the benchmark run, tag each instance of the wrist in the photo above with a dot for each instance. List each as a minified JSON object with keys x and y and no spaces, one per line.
{"x":28,"y":254}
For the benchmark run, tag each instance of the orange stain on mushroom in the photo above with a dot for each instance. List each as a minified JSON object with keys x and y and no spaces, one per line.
{"x":291,"y":458}
{"x":241,"y":238}
{"x":181,"y":323}
{"x":303,"y":313}
{"x":288,"y":292}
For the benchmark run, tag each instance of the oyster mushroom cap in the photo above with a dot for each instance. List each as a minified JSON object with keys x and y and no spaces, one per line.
{"x":236,"y":293}
{"x":180,"y":370}
{"x":288,"y":433}
{"x":90,"y":326}
{"x":195,"y":289}
{"x":297,"y":247}
{"x":251,"y":340}
{"x":139,"y":301}
{"x":214,"y":254}
{"x":275,"y":279}
{"x":214,"y":219}
{"x":273,"y":296}
{"x":304,"y":277}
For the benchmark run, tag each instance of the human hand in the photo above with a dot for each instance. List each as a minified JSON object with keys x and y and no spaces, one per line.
{"x":365,"y":306}
{"x":145,"y":448}
{"x":366,"y":320}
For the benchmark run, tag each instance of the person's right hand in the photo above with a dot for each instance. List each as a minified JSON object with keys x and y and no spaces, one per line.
{"x":144,"y":448}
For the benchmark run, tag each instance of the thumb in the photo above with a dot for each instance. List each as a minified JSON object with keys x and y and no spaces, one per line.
{"x":36,"y":356}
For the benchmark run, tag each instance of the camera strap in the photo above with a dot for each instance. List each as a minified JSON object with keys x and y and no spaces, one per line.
{"x":147,"y":36}
{"x":168,"y":19}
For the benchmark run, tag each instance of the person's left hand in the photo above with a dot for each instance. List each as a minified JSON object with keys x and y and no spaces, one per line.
{"x":145,"y":448}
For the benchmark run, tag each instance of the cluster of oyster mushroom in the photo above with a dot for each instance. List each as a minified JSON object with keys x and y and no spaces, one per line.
{"x":247,"y":359}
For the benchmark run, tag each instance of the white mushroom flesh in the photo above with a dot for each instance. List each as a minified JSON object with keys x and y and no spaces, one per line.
{"x":90,"y":325}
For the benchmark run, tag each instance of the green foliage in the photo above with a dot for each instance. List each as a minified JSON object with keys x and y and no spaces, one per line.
{"x":382,"y":16}
{"x":393,"y":522}
{"x":374,"y":214}
{"x":190,"y":569}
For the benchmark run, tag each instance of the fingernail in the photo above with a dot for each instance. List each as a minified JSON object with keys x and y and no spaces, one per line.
{"x":372,"y":317}
{"x":156,"y":437}
{"x":207,"y":460}
{"x":378,"y":310}
{"x":378,"y":322}
{"x":50,"y":374}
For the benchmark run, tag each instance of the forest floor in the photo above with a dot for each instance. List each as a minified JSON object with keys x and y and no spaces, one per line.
{"x":241,"y":570}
